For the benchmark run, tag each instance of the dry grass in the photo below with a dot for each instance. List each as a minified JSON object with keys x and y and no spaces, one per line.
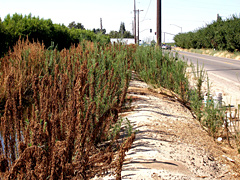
{"x":58,"y":107}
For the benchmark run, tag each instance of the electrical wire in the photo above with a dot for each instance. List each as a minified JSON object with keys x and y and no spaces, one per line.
{"x":147,"y":10}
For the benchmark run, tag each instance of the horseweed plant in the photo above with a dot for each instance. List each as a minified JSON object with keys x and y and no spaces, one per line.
{"x":71,"y":100}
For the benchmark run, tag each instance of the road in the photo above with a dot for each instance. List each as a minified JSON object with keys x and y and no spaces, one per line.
{"x":223,"y":67}
{"x":223,"y":73}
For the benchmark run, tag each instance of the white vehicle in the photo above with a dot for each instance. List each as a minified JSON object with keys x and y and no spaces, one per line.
{"x":165,"y":46}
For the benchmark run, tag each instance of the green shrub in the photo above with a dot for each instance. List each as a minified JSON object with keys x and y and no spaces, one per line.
{"x":220,"y":35}
{"x":36,"y":29}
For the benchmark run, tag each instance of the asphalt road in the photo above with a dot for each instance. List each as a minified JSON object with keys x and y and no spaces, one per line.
{"x":223,"y":67}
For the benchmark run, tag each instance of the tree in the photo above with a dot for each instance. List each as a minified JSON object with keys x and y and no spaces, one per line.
{"x":113,"y":34}
{"x":122,"y":28}
{"x":127,"y":34}
{"x":38,"y":29}
{"x":96,"y":31}
{"x":122,"y":33}
{"x":4,"y":36}
{"x":76,"y":26}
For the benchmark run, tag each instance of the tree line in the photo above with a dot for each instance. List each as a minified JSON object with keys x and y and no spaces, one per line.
{"x":122,"y":33}
{"x":219,"y":35}
{"x":38,"y":29}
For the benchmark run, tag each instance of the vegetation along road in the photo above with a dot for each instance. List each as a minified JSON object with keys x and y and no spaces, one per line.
{"x":223,"y":74}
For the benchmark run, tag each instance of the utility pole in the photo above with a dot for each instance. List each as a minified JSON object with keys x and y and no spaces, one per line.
{"x":138,"y":24}
{"x":101,"y":24}
{"x":138,"y":28}
{"x":159,"y":22}
{"x":135,"y":26}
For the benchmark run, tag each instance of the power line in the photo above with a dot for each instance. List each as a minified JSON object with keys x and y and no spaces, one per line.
{"x":147,"y":10}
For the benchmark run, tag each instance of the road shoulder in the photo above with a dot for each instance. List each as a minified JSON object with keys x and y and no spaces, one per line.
{"x":169,"y":143}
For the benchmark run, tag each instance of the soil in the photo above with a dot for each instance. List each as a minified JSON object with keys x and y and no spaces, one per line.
{"x":170,"y":143}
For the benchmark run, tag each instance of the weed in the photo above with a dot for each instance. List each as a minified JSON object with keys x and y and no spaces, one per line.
{"x":59,"y":107}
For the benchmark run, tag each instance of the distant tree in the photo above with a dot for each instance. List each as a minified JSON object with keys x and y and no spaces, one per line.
{"x":122,"y":28}
{"x":127,"y":34}
{"x":114,"y":34}
{"x":96,"y":31}
{"x":4,"y":36}
{"x":76,"y":26}
{"x":122,"y":33}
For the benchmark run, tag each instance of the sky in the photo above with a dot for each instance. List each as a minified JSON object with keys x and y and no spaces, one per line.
{"x":177,"y":15}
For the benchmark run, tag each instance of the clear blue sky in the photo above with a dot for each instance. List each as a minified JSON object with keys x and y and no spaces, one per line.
{"x":188,"y":14}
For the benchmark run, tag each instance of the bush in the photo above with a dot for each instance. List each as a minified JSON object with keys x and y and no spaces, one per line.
{"x":36,"y":29}
{"x":4,"y":36}
{"x":221,"y":35}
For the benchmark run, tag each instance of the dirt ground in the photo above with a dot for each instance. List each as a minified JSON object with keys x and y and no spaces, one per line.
{"x":170,"y":143}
